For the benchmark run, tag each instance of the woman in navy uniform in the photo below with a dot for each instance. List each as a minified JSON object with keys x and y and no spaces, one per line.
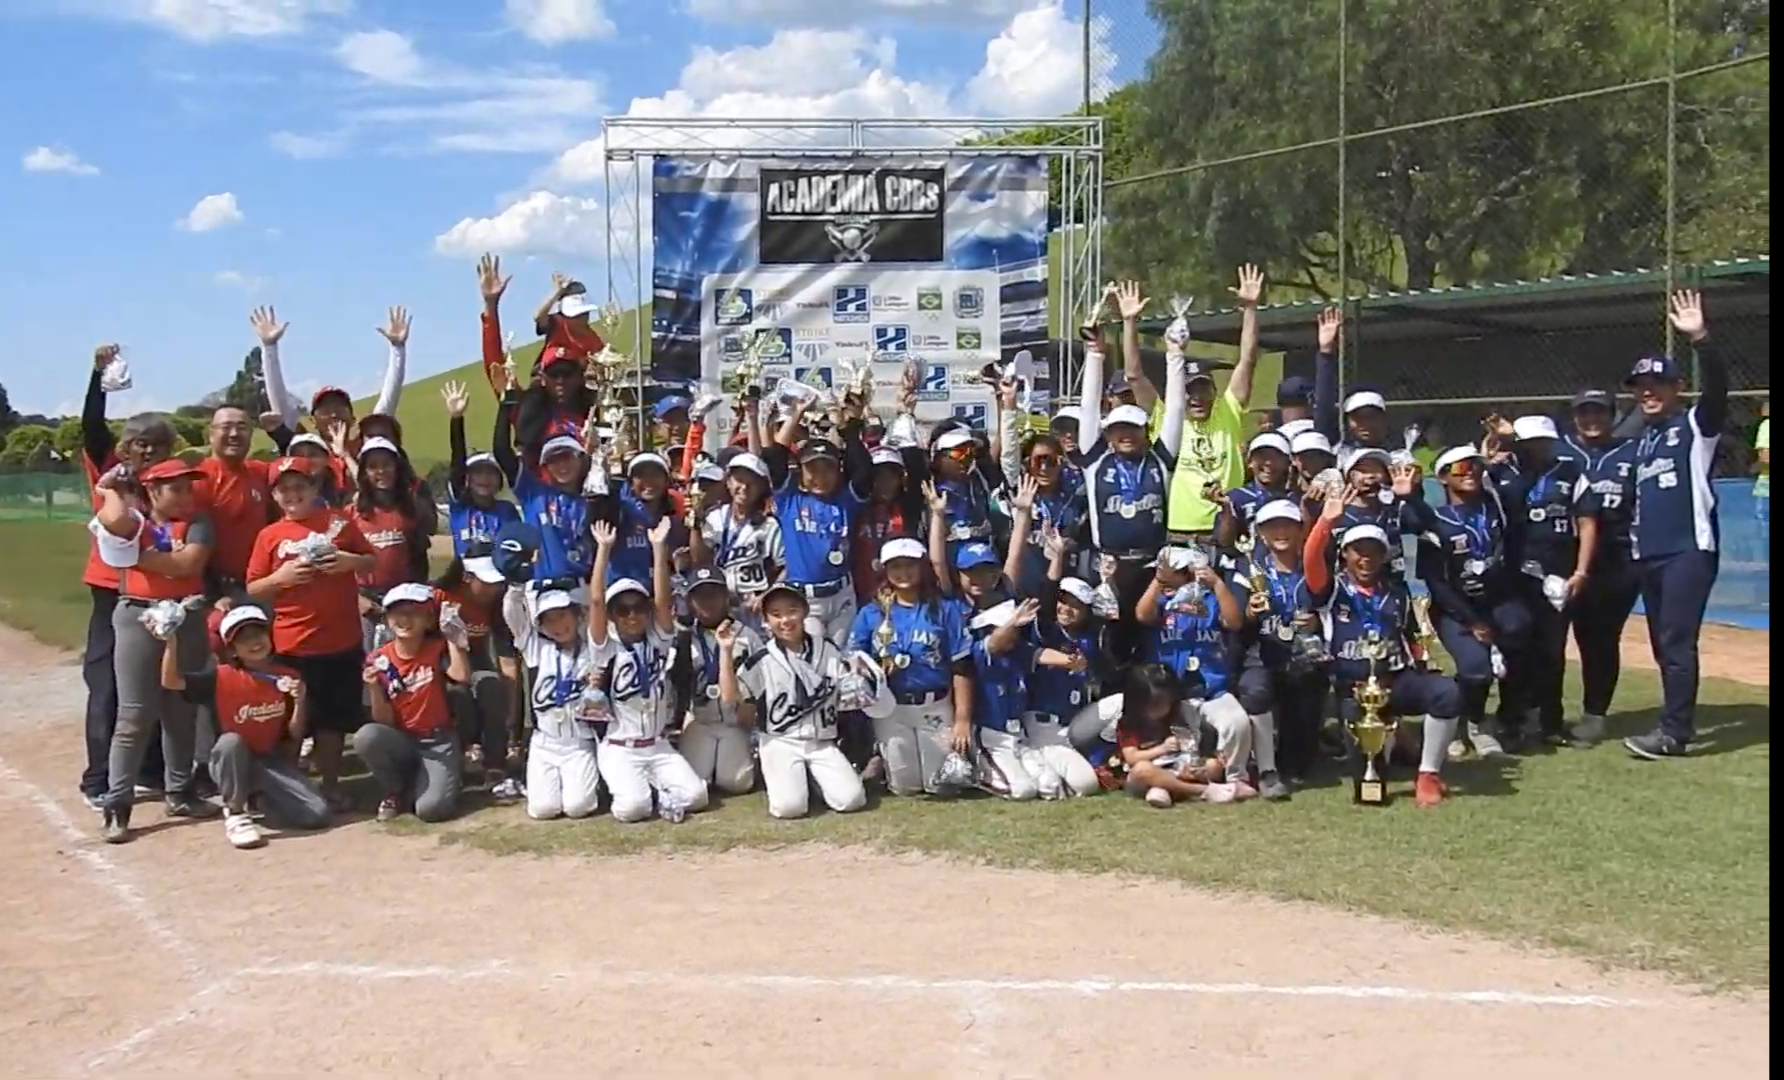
{"x":1674,"y":532}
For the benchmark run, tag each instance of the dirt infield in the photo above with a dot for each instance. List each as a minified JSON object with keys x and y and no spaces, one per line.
{"x":1724,"y":652}
{"x":362,"y":953}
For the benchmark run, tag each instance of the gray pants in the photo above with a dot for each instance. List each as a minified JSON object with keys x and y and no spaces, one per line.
{"x":480,"y":711}
{"x":142,"y":703}
{"x":285,"y":794}
{"x":430,"y":771}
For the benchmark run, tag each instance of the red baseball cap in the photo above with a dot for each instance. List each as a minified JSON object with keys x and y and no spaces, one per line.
{"x":291,"y":465}
{"x":327,"y":391}
{"x":163,"y":471}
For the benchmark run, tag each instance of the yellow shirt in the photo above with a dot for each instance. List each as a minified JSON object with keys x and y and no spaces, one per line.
{"x":1213,"y":449}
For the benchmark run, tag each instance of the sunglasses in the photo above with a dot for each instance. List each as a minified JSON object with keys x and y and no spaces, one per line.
{"x":1463,"y":468}
{"x":959,"y":453}
{"x":1044,"y":461}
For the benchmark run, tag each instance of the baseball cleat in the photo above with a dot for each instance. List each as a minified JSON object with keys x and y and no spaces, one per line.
{"x":1654,"y":746}
{"x":1428,"y":790}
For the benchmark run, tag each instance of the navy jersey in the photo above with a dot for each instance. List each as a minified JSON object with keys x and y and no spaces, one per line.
{"x":1287,"y":590}
{"x":815,"y":533}
{"x":1352,"y":616}
{"x":1396,"y":518}
{"x":1126,"y":499}
{"x":1064,"y":509}
{"x":1463,"y":555}
{"x":1059,"y":691}
{"x":566,"y":546}
{"x":968,"y":512}
{"x":471,"y":524}
{"x":1610,"y":469}
{"x":1000,"y":683}
{"x":1191,"y":642}
{"x":926,"y":642}
{"x":631,"y":556}
{"x":1244,"y":503}
{"x":1541,"y":509}
{"x":1675,"y":504}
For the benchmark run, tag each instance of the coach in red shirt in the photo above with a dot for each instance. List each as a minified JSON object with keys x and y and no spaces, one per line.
{"x":234,"y":493}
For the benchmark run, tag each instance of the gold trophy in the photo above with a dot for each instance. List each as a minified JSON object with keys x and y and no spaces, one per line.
{"x":883,"y":637}
{"x":1372,"y":731}
{"x":1246,"y":543}
{"x":1427,"y":632}
{"x":604,"y":374}
{"x":749,"y":369}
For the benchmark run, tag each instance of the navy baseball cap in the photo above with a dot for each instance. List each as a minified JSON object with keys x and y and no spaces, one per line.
{"x":1594,"y":398}
{"x":707,"y":575}
{"x":669,"y":405}
{"x":1655,"y":367}
{"x":1294,"y":390}
{"x":1196,"y":371}
{"x":813,"y":449}
{"x":1118,"y":384}
{"x":516,"y":543}
{"x":1064,"y":423}
{"x":972,"y":555}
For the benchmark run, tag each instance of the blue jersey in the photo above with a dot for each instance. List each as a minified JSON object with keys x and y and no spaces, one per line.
{"x":1675,"y":505}
{"x":631,"y":556}
{"x":1287,"y":590}
{"x":566,"y":546}
{"x":815,"y":534}
{"x":476,"y":525}
{"x":968,"y":510}
{"x":1352,"y":616}
{"x":1000,"y":690}
{"x":1610,"y":469}
{"x":1126,"y":499}
{"x":1541,"y":510}
{"x":1244,"y":503}
{"x":926,"y":642}
{"x":1056,"y":690}
{"x":1063,"y":508}
{"x":1191,"y":642}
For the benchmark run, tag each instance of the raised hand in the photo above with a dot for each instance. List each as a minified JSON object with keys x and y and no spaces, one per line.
{"x":1251,"y":286}
{"x":1331,"y":323}
{"x":560,"y":284}
{"x":104,"y":355}
{"x":1405,"y":479}
{"x":271,"y":422}
{"x":659,"y":533}
{"x":1336,"y":501}
{"x":1685,"y":308}
{"x":1206,"y":577}
{"x":1006,"y":394}
{"x":1129,"y":301}
{"x":726,"y":634}
{"x":267,"y":326}
{"x":1027,"y":490}
{"x":1052,"y":543}
{"x":934,"y":497}
{"x":457,"y":401}
{"x":1026,"y":613}
{"x":490,"y":281}
{"x":605,"y":535}
{"x":397,"y":332}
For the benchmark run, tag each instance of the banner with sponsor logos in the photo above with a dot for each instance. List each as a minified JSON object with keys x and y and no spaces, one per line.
{"x":831,"y":265}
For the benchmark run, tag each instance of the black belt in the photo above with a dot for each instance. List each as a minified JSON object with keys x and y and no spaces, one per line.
{"x":927,"y":697}
{"x":823,"y":589}
{"x":1131,"y":555}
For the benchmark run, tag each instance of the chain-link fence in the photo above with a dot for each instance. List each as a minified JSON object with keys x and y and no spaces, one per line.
{"x":1500,"y":195}
{"x":44,"y":496}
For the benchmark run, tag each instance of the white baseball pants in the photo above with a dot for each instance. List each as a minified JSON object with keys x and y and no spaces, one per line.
{"x":835,"y":614}
{"x":789,"y":768}
{"x":1051,"y":741}
{"x":719,"y":753}
{"x":562,"y":777}
{"x":1232,"y":728}
{"x":913,"y":741}
{"x":633,"y":773}
{"x":1026,"y":773}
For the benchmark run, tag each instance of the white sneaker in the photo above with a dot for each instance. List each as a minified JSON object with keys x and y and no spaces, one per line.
{"x":1158,"y":798}
{"x":1484,"y":743}
{"x":242,"y":832}
{"x":1220,"y":793}
{"x":1457,"y":750}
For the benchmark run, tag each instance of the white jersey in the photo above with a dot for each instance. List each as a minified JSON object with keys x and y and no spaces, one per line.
{"x":745,"y":550}
{"x":795,"y":693}
{"x":557,"y":676}
{"x":705,"y":647}
{"x":637,"y":683}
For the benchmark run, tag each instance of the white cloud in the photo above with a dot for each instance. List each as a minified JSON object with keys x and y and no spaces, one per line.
{"x":795,"y":62}
{"x":380,"y":55}
{"x":212,"y":212}
{"x":1036,"y":66}
{"x":234,"y":279}
{"x":304,"y":147}
{"x":56,"y":159}
{"x":212,"y":20}
{"x":554,"y":22}
{"x":537,"y":224}
{"x":832,"y":13}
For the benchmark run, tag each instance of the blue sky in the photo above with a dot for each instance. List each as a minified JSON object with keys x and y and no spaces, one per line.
{"x":181,"y":161}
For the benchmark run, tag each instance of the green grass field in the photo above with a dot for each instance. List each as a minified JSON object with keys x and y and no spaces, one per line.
{"x":1661,"y":866}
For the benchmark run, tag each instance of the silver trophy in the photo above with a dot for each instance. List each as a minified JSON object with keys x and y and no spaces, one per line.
{"x":1178,"y":332}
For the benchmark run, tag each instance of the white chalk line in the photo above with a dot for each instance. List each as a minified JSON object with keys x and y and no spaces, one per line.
{"x":131,"y":1044}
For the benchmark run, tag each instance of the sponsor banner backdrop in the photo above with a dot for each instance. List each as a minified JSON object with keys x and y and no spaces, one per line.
{"x":832,"y":263}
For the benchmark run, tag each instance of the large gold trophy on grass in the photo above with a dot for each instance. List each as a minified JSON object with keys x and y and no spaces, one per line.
{"x":605,"y":375}
{"x":1372,"y":730}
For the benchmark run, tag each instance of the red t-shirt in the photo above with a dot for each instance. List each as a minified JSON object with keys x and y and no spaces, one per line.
{"x":387,"y":530}
{"x":235,"y":498}
{"x":320,"y":617}
{"x":98,"y":574}
{"x":877,"y":524}
{"x":250,"y":704}
{"x":167,"y":537}
{"x":476,"y":616}
{"x":417,"y":692}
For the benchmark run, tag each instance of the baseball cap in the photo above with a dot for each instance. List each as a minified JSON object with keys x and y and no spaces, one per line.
{"x":670,"y":404}
{"x":902,"y":547}
{"x":1177,"y":558}
{"x":556,"y":355}
{"x":1356,"y":534}
{"x":560,"y":444}
{"x":1118,"y":384}
{"x":163,"y":471}
{"x":551,"y":600}
{"x":1294,"y":390}
{"x":1655,"y":367}
{"x":306,"y":439}
{"x":646,"y":457}
{"x":1534,"y":427}
{"x":1289,"y":429}
{"x":319,"y":396}
{"x":1307,"y":441}
{"x":1126,"y":414}
{"x":1467,"y":452}
{"x":814,"y":449}
{"x":749,"y":463}
{"x":1197,"y":371}
{"x":575,"y":304}
{"x":886,"y":455}
{"x":1600,"y":398}
{"x":1078,"y":589}
{"x":1064,"y":423}
{"x":626,"y":585}
{"x":952,"y":438}
{"x":1279,"y":510}
{"x":239,"y":617}
{"x":483,"y":568}
{"x":1268,"y":440}
{"x":1364,"y":399}
{"x":787,"y":587}
{"x":291,"y":465}
{"x":377,"y":444}
{"x":709,"y":472}
{"x":483,"y":458}
{"x":707,"y":575}
{"x":515,"y":545}
{"x":409,"y":592}
{"x":973,"y":555}
{"x":1366,"y":453}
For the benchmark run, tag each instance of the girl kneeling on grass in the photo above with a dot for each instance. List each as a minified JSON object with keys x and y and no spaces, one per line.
{"x":412,"y":745}
{"x":1163,"y":767}
{"x":563,"y":776}
{"x":259,"y":706}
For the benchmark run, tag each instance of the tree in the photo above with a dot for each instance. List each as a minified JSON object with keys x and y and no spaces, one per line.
{"x":25,"y":444}
{"x":247,"y":391}
{"x":66,"y":440}
{"x":9,"y":417}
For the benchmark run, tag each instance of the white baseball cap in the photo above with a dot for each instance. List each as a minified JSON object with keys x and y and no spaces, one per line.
{"x":1269,"y":440}
{"x":551,"y":600}
{"x":626,"y":585}
{"x":483,"y":458}
{"x":646,"y":457}
{"x":1311,"y":440}
{"x":575,"y":304}
{"x":561,"y":444}
{"x":953,"y":437}
{"x":993,"y":617}
{"x":377,"y":443}
{"x":1290,"y":428}
{"x":1279,"y":510}
{"x":1454,"y":454}
{"x":887,"y":455}
{"x":1356,"y":534}
{"x":409,"y":592}
{"x":306,"y":439}
{"x":709,"y":472}
{"x":1177,"y":558}
{"x":1534,"y":427}
{"x":483,"y":568}
{"x":1360,"y":454}
{"x":239,"y":617}
{"x":1078,"y":589}
{"x":1126,"y":414}
{"x":1364,"y":399}
{"x":902,"y":547}
{"x":749,"y":463}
